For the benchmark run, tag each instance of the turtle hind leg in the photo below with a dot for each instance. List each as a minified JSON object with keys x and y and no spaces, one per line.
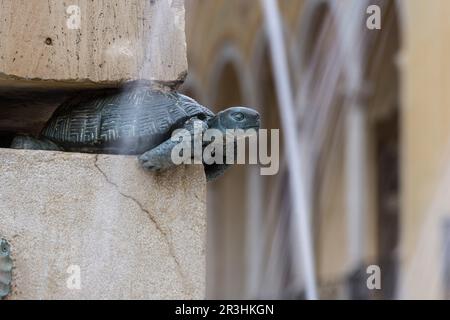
{"x":30,"y":143}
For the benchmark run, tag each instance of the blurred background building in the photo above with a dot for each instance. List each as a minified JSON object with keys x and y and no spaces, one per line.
{"x":373,"y":116}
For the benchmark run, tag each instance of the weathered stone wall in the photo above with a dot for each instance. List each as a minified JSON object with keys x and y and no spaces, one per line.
{"x":91,"y":43}
{"x":133,"y":234}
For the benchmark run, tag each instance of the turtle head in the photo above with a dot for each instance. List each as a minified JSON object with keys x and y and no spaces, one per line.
{"x":236,"y":118}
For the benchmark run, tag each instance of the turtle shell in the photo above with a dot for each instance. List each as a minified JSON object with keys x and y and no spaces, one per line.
{"x":125,"y":121}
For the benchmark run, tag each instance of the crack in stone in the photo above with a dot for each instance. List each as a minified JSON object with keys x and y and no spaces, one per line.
{"x":186,"y":285}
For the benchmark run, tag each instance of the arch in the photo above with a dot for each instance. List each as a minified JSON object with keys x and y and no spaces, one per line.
{"x":318,"y":31}
{"x":228,"y":55}
{"x":307,"y":26}
{"x":258,"y":52}
{"x":319,"y":18}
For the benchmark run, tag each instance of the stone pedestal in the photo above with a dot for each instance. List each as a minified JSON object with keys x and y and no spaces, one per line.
{"x":103,"y":223}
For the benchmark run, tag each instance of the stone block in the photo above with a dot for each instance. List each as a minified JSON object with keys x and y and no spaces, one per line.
{"x":131,"y":234}
{"x":84,"y":43}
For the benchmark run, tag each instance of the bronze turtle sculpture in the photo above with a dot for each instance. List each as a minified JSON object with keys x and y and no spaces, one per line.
{"x":134,"y":120}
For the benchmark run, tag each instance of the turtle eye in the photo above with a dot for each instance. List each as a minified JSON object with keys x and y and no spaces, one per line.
{"x":238,"y":116}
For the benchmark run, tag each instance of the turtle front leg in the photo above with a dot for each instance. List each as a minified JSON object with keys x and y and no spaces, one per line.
{"x":30,"y":143}
{"x":160,"y":157}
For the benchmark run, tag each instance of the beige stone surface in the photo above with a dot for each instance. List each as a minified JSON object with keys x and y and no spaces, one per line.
{"x":113,"y":41}
{"x":133,"y":234}
{"x":426,"y":149}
